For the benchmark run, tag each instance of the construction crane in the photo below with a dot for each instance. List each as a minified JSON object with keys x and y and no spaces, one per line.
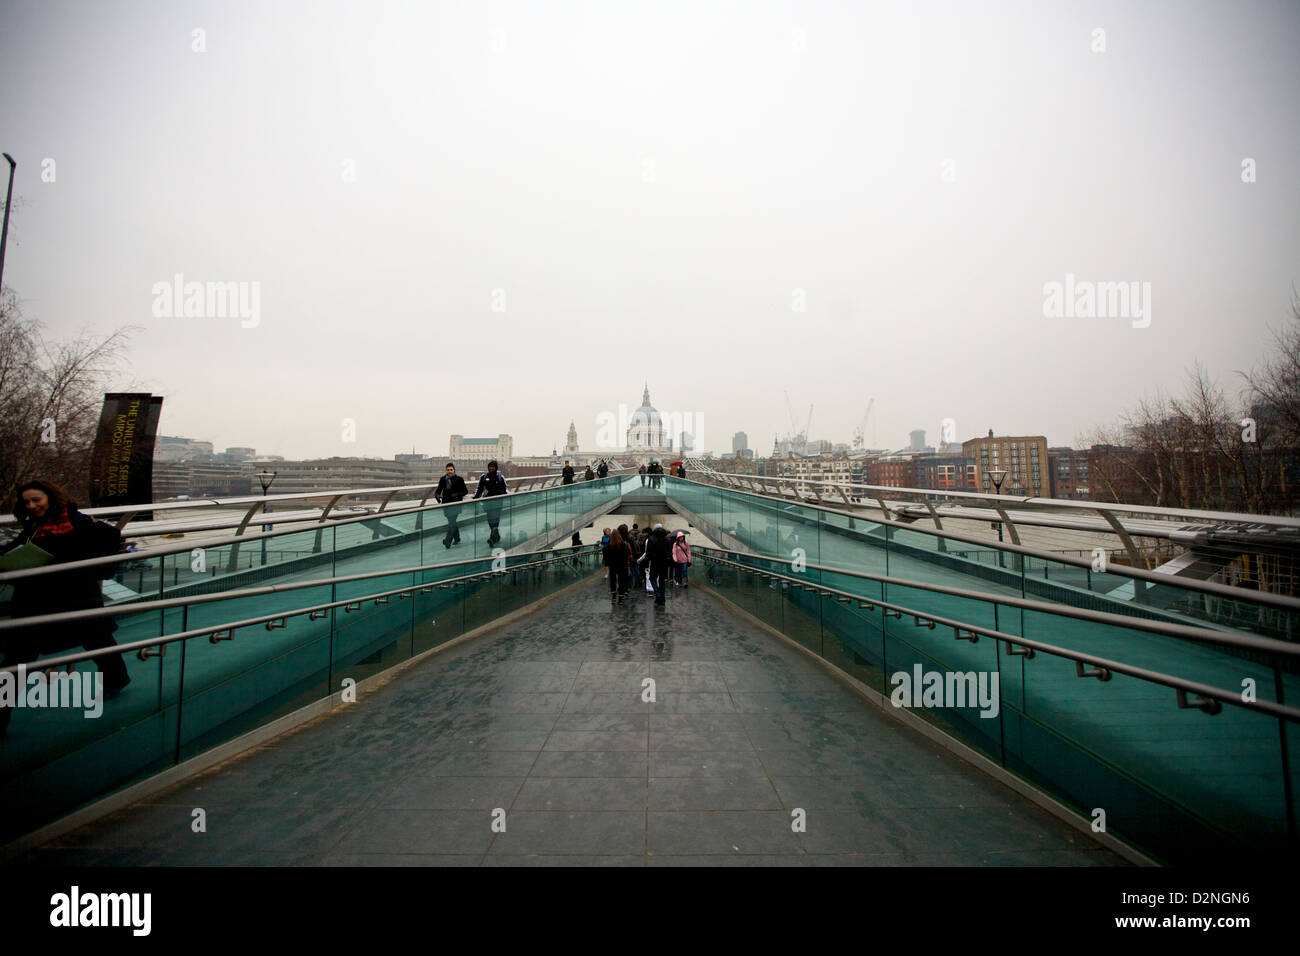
{"x":794,"y":424}
{"x":859,"y":433}
{"x":798,"y":438}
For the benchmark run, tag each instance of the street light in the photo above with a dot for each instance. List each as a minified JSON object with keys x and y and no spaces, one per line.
{"x":265,"y":478}
{"x":4,"y":233}
{"x":997,"y":476}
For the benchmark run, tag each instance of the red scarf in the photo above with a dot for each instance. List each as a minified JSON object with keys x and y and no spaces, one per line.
{"x":52,"y":525}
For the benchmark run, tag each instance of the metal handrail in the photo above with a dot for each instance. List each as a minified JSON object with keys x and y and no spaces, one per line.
{"x":1204,"y":635}
{"x":1012,"y":640}
{"x":162,"y":604}
{"x":1267,"y":598}
{"x":8,"y":576}
{"x":130,"y":511}
{"x":1049,"y":504}
{"x":66,"y":659}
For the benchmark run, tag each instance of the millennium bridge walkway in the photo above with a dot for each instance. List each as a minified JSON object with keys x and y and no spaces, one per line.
{"x":837,"y":685}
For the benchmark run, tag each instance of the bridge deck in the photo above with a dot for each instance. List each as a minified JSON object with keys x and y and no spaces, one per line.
{"x":544,"y":719}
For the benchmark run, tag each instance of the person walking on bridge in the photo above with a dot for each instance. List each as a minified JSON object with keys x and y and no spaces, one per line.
{"x":681,"y":559}
{"x":54,"y":531}
{"x":568,"y":474}
{"x":658,"y":555}
{"x":602,"y":470}
{"x":637,"y":541}
{"x":451,"y":488}
{"x":491,"y":484}
{"x":641,"y":471}
{"x":617,"y":556}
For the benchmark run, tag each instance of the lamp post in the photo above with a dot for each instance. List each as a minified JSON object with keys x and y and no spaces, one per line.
{"x":265,"y":478}
{"x":997,"y":476}
{"x":4,"y":233}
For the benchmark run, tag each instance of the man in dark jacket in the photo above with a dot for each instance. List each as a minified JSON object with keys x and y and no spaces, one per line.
{"x":491,"y":484}
{"x":451,"y":488}
{"x":602,"y":470}
{"x":568,"y":474}
{"x":681,"y":470}
{"x":658,"y":551}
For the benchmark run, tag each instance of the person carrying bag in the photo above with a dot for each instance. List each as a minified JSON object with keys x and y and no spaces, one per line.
{"x":52,"y":524}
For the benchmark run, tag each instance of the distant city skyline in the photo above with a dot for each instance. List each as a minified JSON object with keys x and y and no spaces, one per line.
{"x":761,"y":452}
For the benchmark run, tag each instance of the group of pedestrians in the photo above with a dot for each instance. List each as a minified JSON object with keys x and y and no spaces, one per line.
{"x":638,"y":556}
{"x":655,"y":472}
{"x":567,"y":474}
{"x":451,"y":489}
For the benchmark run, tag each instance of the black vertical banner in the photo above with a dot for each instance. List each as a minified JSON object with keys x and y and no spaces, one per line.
{"x":122,"y":462}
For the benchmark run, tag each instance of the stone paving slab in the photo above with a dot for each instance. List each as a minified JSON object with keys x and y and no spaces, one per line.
{"x":543,"y":724}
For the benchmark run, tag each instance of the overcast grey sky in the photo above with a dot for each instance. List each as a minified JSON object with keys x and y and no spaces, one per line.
{"x":650,"y":191}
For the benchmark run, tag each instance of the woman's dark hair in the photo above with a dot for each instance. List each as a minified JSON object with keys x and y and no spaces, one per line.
{"x":615,"y":541}
{"x":59,"y":500}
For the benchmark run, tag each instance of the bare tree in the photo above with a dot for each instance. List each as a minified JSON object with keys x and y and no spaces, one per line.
{"x":51,"y":393}
{"x":1195,"y":450}
{"x":1275,"y":385}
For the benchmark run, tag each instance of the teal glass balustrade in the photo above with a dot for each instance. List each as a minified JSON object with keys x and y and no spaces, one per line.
{"x":789,"y":530}
{"x":1181,"y":784}
{"x":261,"y":654}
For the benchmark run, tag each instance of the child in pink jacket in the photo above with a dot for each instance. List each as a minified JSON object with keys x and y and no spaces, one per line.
{"x":681,"y":559}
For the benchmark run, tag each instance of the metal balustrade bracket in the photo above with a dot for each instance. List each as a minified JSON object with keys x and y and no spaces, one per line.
{"x":403,"y":595}
{"x":843,"y":599}
{"x":382,"y":599}
{"x":147,"y":652}
{"x":919,"y":621}
{"x":866,"y":606}
{"x":217,"y":636}
{"x":277,"y":623}
{"x":1101,"y":673}
{"x":1207,"y":704}
{"x":351,"y":606}
{"x":890,"y":612}
{"x":444,"y":587}
{"x":960,"y":635}
{"x":317,"y":615}
{"x":1015,"y":650}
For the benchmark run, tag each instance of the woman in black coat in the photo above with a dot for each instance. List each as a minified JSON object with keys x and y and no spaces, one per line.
{"x":51,"y":521}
